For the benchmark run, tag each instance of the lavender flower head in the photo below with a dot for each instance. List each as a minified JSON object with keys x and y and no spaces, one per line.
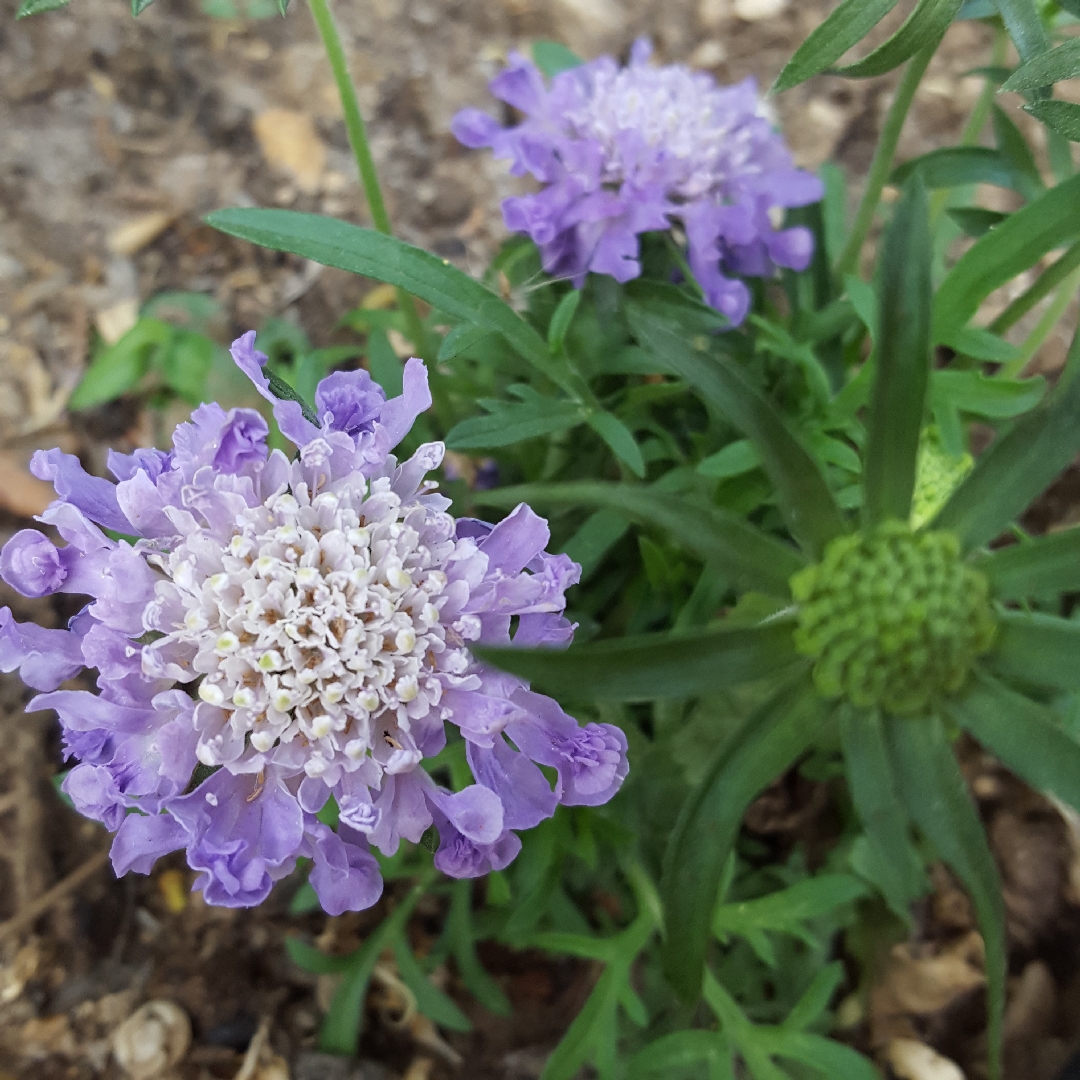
{"x":623,"y":151}
{"x":286,"y":630}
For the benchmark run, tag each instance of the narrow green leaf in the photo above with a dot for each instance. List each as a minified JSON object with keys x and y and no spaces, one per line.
{"x":460,"y":339}
{"x":601,"y":531}
{"x":283,"y":6}
{"x":120,"y":367}
{"x":932,"y":786}
{"x":814,"y":1003}
{"x":551,"y":57}
{"x":1037,"y":648}
{"x":679,"y":1050}
{"x":804,"y":498}
{"x":958,"y":166}
{"x":785,"y":910}
{"x":431,"y":1001}
{"x":34,"y":7}
{"x":139,"y":6}
{"x":580,"y":1039}
{"x":1012,"y":145}
{"x":845,"y":27}
{"x":981,"y":395}
{"x":476,"y":979}
{"x":975,"y":220}
{"x":1039,"y":569}
{"x":650,"y":667}
{"x":515,"y":423}
{"x":735,"y":459}
{"x":314,"y":960}
{"x":833,"y":1059}
{"x":709,"y":822}
{"x":1015,"y":469}
{"x":980,"y":344}
{"x":385,"y":258}
{"x":561,"y":319}
{"x":1060,"y":116}
{"x":750,"y":556}
{"x":1021,"y":18}
{"x":1022,"y":735}
{"x":898,"y":869}
{"x":898,"y":398}
{"x":340,"y":1031}
{"x":924,"y":26}
{"x":619,"y":439}
{"x":1016,"y":245}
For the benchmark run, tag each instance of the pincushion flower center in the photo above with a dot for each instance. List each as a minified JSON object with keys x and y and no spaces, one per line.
{"x":318,"y":624}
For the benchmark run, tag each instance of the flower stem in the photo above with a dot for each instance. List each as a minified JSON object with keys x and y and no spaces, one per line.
{"x":977,"y":121}
{"x":1054,"y":311}
{"x":881,"y":166}
{"x":369,"y":178}
{"x":1047,"y":281}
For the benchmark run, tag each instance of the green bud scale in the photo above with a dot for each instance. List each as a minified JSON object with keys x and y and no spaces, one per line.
{"x":937,"y":475}
{"x":892,"y":618}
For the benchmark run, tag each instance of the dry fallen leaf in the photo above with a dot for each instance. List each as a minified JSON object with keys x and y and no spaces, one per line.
{"x":288,"y":141}
{"x":911,"y":1060}
{"x":116,"y":320}
{"x":134,"y":235}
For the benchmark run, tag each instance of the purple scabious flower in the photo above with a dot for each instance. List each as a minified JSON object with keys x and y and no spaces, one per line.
{"x":283,"y":631}
{"x":622,"y":151}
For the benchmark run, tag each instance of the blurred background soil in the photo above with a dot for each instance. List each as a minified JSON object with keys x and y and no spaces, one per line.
{"x":116,"y":136}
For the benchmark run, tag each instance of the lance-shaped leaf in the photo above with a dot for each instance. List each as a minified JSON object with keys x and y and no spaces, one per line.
{"x":957,"y":166}
{"x":1060,"y":116}
{"x":845,"y":27}
{"x":1022,"y":735}
{"x":516,"y":422}
{"x":932,"y":786}
{"x":808,"y":506}
{"x":902,"y":372}
{"x":898,"y":869}
{"x":1035,"y":570}
{"x":925,"y":26}
{"x":1017,"y":244}
{"x":751,"y":557}
{"x":1037,"y":648}
{"x":385,"y":258}
{"x":33,"y":7}
{"x":651,"y":667}
{"x":1016,"y":468}
{"x":770,"y":740}
{"x":1022,"y":20}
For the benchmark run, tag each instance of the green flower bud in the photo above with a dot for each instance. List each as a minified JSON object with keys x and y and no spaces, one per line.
{"x":897,"y":648}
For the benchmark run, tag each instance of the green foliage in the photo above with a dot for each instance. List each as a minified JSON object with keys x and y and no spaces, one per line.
{"x":34,"y":7}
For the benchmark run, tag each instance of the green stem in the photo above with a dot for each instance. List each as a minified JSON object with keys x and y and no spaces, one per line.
{"x":1047,"y":281}
{"x":369,"y":178}
{"x":979,"y":115}
{"x":881,"y":166}
{"x":1054,"y":311}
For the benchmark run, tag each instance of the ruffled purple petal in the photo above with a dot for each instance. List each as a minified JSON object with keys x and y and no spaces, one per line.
{"x":31,"y":565}
{"x":345,"y":876}
{"x":94,"y":496}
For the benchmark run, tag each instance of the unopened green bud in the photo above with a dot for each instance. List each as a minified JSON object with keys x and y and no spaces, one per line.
{"x":898,"y":648}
